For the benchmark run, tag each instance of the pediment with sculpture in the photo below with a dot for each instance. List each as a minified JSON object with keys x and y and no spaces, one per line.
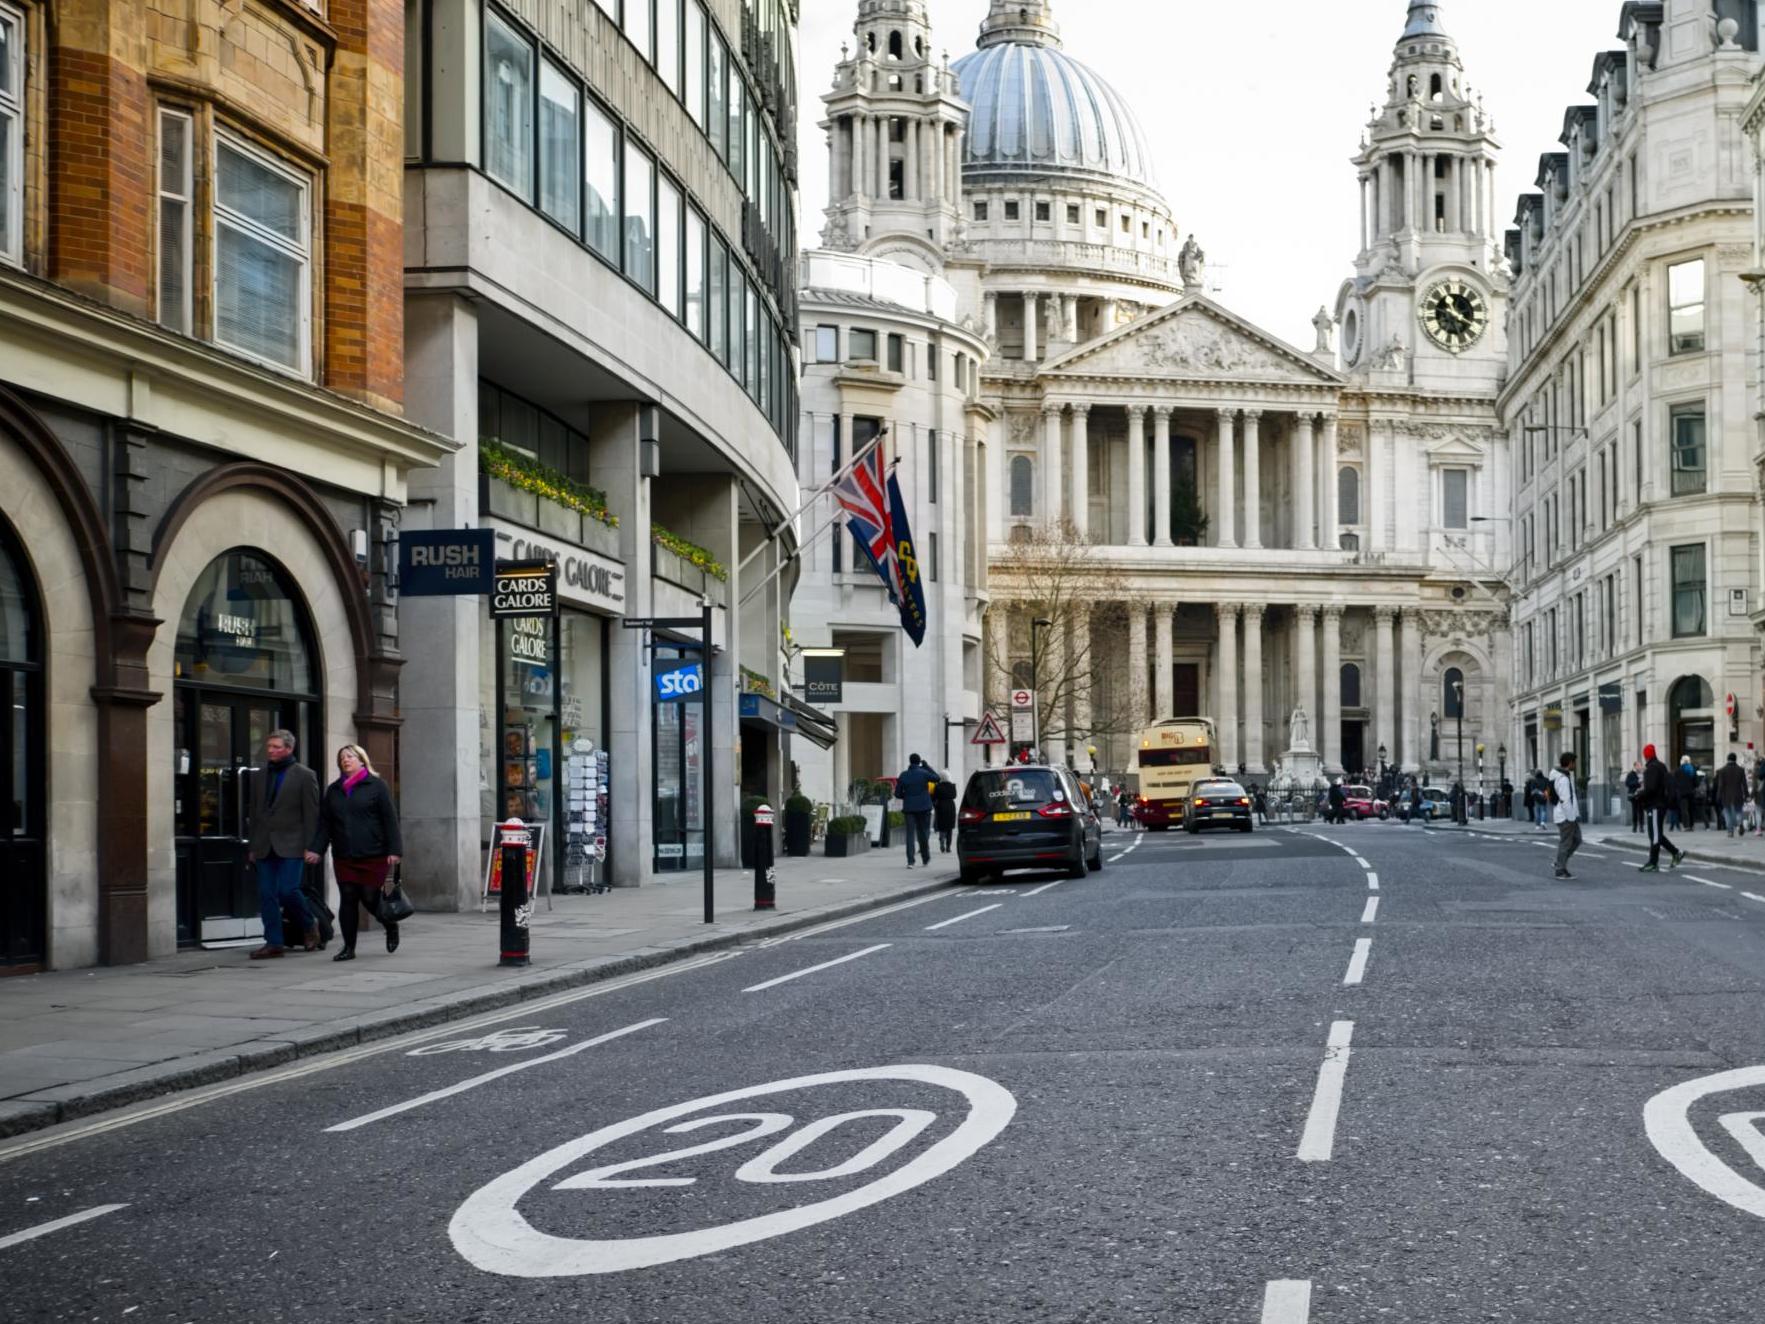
{"x":1193,"y":339}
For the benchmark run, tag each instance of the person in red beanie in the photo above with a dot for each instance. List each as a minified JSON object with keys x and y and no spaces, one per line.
{"x":1655,"y":796}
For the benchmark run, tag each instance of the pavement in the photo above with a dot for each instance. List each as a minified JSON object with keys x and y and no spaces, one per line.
{"x":1316,"y":1075}
{"x":77,"y":1042}
{"x":1702,"y":846}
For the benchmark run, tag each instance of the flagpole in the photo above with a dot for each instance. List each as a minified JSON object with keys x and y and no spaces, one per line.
{"x":806,"y":543}
{"x":815,"y":496}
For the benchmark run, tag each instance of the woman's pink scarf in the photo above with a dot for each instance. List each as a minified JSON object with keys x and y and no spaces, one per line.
{"x":354,"y":779}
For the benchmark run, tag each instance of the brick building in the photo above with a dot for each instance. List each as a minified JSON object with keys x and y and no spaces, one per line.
{"x":202,"y":454}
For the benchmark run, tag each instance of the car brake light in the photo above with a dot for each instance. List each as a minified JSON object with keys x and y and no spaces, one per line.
{"x":1243,"y":801}
{"x":1057,"y":809}
{"x":1202,"y":804}
{"x":972,"y":815}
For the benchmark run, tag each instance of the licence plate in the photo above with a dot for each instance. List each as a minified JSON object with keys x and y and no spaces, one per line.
{"x":1011,"y":818}
{"x":1223,"y":813}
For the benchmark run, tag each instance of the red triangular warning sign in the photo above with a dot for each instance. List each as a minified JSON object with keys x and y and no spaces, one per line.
{"x":988,"y":732}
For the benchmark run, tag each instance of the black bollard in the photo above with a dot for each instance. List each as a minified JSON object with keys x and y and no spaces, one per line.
{"x":765,"y":876}
{"x":514,"y":840}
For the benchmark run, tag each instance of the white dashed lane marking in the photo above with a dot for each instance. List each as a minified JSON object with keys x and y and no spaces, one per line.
{"x":1357,"y":964}
{"x":72,"y":1220}
{"x":1287,"y":1301}
{"x":1371,"y":913}
{"x":957,"y":919}
{"x":798,"y":974}
{"x":1318,"y":1143}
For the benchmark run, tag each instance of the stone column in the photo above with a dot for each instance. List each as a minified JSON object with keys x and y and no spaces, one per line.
{"x":1411,"y":700}
{"x":990,"y":318}
{"x":1226,"y":673}
{"x":1328,"y":535}
{"x":1071,"y":321}
{"x":1032,"y":315}
{"x":1385,"y":679}
{"x":1136,"y":475}
{"x":1056,"y":690}
{"x":1374,"y":516}
{"x":1305,"y":467}
{"x":1226,"y":471}
{"x":1330,"y":721}
{"x":1136,"y":691}
{"x":1079,"y":466}
{"x":1253,"y":681}
{"x":1305,"y":646}
{"x":1252,"y":527}
{"x":910,"y":166}
{"x":1161,"y":477}
{"x":1163,"y":662}
{"x":1080,"y":666}
{"x":1051,"y":471}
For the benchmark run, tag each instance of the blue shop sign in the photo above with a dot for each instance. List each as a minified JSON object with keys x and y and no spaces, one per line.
{"x":442,"y":562}
{"x":685,"y":681}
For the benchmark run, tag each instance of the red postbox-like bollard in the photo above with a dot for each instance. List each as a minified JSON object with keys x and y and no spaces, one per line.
{"x":765,"y":876}
{"x":513,"y":841}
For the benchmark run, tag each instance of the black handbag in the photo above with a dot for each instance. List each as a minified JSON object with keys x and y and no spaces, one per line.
{"x":395,"y":906}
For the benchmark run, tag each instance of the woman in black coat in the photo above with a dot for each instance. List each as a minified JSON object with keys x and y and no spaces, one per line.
{"x":358,"y":823}
{"x":944,"y":812}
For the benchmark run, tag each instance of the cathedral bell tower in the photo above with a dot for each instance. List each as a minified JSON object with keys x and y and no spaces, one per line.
{"x":894,"y":124}
{"x":1430,"y":286}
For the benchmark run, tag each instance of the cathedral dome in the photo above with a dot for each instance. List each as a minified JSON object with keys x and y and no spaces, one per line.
{"x":1038,"y":111}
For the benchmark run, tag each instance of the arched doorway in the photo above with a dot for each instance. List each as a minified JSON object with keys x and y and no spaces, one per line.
{"x":1691,"y":707}
{"x":23,"y":828}
{"x":245,"y":665}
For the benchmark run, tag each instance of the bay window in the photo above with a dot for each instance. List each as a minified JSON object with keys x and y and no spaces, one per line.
{"x":508,"y":105}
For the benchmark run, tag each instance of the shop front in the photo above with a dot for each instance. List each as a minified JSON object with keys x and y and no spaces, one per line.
{"x":546,"y":759}
{"x":245,"y":665}
{"x":23,"y":853}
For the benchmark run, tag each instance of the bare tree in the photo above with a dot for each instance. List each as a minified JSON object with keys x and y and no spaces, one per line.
{"x":1053,"y":617}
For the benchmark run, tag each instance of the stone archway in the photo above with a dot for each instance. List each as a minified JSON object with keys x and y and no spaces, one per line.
{"x":205,"y":525}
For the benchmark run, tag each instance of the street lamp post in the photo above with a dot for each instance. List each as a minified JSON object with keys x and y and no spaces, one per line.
{"x":1501,"y":758}
{"x":1385,"y":787}
{"x":1458,"y":687}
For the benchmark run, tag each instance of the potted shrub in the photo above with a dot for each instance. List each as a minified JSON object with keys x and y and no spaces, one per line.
{"x":799,"y":818}
{"x":847,"y":835}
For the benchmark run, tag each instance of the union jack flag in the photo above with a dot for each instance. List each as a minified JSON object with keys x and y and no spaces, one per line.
{"x":863,"y":495}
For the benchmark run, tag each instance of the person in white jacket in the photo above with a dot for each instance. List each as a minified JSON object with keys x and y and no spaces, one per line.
{"x":1565,"y":812}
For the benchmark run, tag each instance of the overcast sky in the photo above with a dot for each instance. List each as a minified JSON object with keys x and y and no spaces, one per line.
{"x":1253,"y":112}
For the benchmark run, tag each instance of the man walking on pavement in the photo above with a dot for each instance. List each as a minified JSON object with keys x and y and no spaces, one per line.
{"x":1633,"y":786}
{"x":1731,"y":793}
{"x":1566,"y":811}
{"x":283,"y":816}
{"x":1656,"y":795}
{"x":915,"y":789}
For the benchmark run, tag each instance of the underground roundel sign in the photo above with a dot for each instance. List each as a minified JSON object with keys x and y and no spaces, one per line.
{"x":728,"y":1170}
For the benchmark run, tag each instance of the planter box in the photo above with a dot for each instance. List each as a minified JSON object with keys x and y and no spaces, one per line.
{"x":560,"y":521}
{"x":497,"y":498}
{"x":846,"y":843}
{"x":597,"y":537}
{"x":677,"y":569}
{"x":798,"y":826}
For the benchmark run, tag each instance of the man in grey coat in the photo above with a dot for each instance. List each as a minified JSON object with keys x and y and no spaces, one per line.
{"x":282,"y":817}
{"x":1731,"y":794}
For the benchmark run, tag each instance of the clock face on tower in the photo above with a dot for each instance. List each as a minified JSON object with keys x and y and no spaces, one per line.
{"x":1454,"y":315}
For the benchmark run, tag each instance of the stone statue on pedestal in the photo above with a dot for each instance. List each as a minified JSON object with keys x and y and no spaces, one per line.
{"x":1299,"y":730}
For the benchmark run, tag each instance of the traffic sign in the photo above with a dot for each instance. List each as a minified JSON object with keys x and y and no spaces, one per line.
{"x":988,"y":732}
{"x":1022,"y":699}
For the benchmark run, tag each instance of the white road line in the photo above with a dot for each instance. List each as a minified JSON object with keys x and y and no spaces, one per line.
{"x":1754,"y":896}
{"x":945,"y":923}
{"x":1037,"y":891}
{"x":1372,"y":882}
{"x":434,"y":1095}
{"x":1319,"y":1141}
{"x":831,"y":925}
{"x":1357,"y":964}
{"x":1287,"y":1301}
{"x":1692,"y":877}
{"x":44,"y":1229}
{"x":1363,"y":864}
{"x":344,"y":1057}
{"x":1371,"y":913}
{"x":838,"y":960}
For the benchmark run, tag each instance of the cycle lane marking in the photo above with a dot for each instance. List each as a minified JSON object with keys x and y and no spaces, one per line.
{"x":434,"y":1096}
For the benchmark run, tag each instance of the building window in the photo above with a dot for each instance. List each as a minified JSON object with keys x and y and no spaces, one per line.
{"x":861,"y":344}
{"x":932,"y":457}
{"x":637,"y":26}
{"x":1685,"y":307}
{"x":931,"y":362}
{"x":1351,"y":685}
{"x":1452,"y":694}
{"x":1102,"y":218}
{"x":1348,"y":496}
{"x":932,"y":577}
{"x":1689,"y":456}
{"x":1023,"y":485}
{"x":716,"y":98}
{"x":719,"y":310}
{"x":12,"y":134}
{"x":601,"y":165}
{"x":1042,"y":212}
{"x":175,"y":193}
{"x":1072,"y":213}
{"x":1455,"y":489}
{"x":980,"y":211}
{"x":695,"y":62}
{"x":668,"y":209}
{"x":263,"y":247}
{"x":1688,"y":591}
{"x":827,"y":344}
{"x":896,"y":353}
{"x":560,"y":148}
{"x":1127,"y":225}
{"x":695,"y":273}
{"x":1011,"y":211}
{"x":508,"y":105}
{"x":668,"y":43}
{"x":640,"y":217}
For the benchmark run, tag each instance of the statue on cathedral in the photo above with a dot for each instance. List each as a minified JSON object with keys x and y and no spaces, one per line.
{"x":1192,"y":262}
{"x":1299,"y":730}
{"x":1325,"y":327}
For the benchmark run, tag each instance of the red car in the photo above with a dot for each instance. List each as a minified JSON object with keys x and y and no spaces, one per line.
{"x":1359,"y":803}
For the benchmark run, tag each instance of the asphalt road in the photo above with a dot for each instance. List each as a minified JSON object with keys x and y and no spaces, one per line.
{"x":1353,"y":1074}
